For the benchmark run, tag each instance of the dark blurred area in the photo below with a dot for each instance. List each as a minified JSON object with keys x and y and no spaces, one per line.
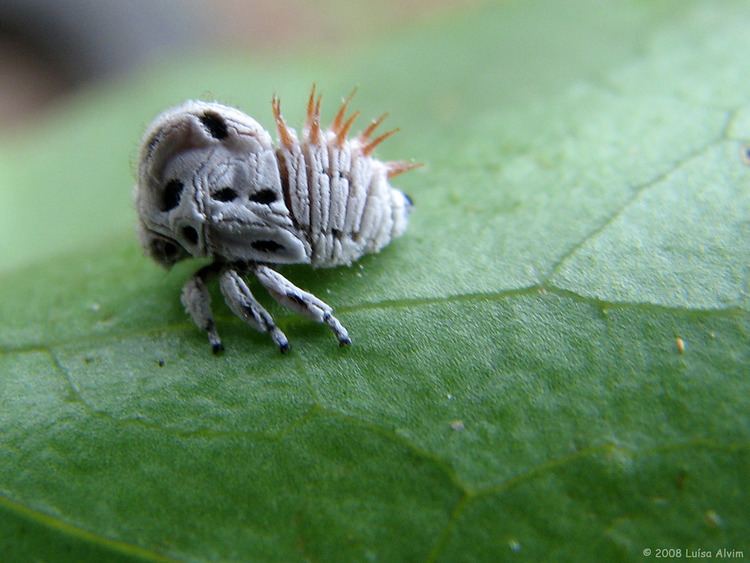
{"x":50,"y":48}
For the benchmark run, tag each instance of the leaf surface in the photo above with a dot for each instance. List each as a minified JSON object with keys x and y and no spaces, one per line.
{"x":516,"y":388}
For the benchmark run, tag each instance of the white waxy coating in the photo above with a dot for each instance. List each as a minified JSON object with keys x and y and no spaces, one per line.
{"x":212,"y":184}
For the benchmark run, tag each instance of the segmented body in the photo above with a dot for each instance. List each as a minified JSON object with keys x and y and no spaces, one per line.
{"x":340,"y":199}
{"x":211,"y":183}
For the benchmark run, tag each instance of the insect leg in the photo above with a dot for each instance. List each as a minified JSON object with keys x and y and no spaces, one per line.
{"x":197,"y":303}
{"x":292,"y":297}
{"x":242,"y":303}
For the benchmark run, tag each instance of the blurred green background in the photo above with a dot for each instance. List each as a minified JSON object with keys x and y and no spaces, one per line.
{"x":60,"y":60}
{"x":551,"y":364}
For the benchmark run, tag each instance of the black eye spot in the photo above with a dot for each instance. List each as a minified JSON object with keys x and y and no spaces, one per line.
{"x":266,"y":197}
{"x":165,"y":249}
{"x":215,"y":125}
{"x":170,"y":197}
{"x":190,"y":234}
{"x":225,"y":194}
{"x":266,"y":245}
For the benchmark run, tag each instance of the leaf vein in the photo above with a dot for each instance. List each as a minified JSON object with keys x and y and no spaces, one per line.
{"x":71,"y":530}
{"x":556,"y":463}
{"x":480,"y":297}
{"x":638,"y":191}
{"x":398,"y":439}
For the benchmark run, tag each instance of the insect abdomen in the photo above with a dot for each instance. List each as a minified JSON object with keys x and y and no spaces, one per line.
{"x":340,"y":200}
{"x":337,"y":195}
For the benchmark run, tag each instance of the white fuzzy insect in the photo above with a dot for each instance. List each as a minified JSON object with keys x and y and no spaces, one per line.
{"x":212,"y":184}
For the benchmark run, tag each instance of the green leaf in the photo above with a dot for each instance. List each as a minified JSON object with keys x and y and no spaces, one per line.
{"x":551,"y":364}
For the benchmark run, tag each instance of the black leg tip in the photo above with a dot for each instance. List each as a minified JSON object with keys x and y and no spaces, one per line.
{"x":345,"y":342}
{"x":217,"y":348}
{"x":284,"y":347}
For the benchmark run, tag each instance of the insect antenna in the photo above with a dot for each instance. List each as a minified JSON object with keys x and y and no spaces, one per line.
{"x":312,"y":123}
{"x":365,"y":135}
{"x":310,"y":106}
{"x":284,"y":133}
{"x":369,"y":147}
{"x":396,"y":167}
{"x":336,"y":125}
{"x":341,"y":135}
